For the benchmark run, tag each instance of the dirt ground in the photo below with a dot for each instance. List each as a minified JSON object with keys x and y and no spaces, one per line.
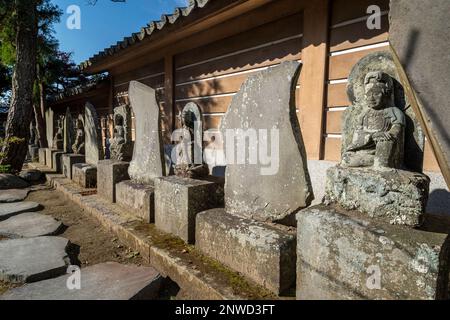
{"x":91,"y":243}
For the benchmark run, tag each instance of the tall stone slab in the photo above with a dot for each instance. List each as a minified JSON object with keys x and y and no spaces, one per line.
{"x":93,"y":136}
{"x":148,"y":155}
{"x":420,"y":38}
{"x":69,"y":132}
{"x":265,"y":104}
{"x":49,"y":126}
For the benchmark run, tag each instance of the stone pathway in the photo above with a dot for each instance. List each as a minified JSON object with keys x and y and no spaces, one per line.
{"x":7,"y":210}
{"x":33,"y":259}
{"x":105,"y":281}
{"x":29,"y":225}
{"x":31,"y":255}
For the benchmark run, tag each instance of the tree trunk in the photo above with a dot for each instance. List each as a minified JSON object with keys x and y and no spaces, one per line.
{"x":21,"y":108}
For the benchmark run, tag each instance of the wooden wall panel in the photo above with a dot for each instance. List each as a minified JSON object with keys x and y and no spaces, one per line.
{"x":345,"y":10}
{"x":337,"y":95}
{"x":334,"y":122}
{"x":429,"y":160}
{"x":333,"y":149}
{"x":207,"y":105}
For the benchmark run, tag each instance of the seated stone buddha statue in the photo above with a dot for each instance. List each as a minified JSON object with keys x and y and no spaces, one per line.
{"x":377,"y":139}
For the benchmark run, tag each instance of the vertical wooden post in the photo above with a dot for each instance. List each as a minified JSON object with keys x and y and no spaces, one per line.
{"x":314,"y":75}
{"x":169,"y":95}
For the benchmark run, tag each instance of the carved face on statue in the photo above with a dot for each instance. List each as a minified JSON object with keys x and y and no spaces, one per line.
{"x":121,"y":147}
{"x":378,"y":133}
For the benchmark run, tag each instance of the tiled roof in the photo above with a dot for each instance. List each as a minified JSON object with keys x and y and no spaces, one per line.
{"x":83,"y":88}
{"x":146,"y":32}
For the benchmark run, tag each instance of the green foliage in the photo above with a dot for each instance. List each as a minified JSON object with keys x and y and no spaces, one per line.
{"x":5,"y":143}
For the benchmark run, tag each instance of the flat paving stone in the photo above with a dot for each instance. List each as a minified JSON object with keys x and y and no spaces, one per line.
{"x":105,"y":281}
{"x":8,"y":210}
{"x":29,"y":225}
{"x":33,"y":259}
{"x":31,"y":175}
{"x":10,"y":181}
{"x":13,"y":195}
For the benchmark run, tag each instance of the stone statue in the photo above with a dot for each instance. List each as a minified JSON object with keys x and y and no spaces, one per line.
{"x":78,"y":146}
{"x":191,"y":144}
{"x":377,"y":139}
{"x":58,"y":140}
{"x":121,"y":146}
{"x":34,"y":139}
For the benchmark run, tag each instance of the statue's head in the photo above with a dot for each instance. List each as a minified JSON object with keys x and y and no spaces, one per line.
{"x":378,"y":88}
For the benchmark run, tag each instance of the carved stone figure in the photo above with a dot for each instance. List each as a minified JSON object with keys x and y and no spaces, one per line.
{"x":78,"y":146}
{"x":34,"y":139}
{"x":121,"y":146}
{"x":189,"y":151}
{"x":378,"y":136}
{"x":58,"y":140}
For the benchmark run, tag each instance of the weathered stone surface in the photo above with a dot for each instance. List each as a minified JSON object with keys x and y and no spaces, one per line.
{"x":68,"y":160}
{"x":69,"y":132}
{"x":148,"y":156}
{"x":29,"y":225}
{"x":58,"y":140}
{"x":109,"y":173}
{"x":392,"y":115}
{"x":49,"y":120}
{"x":10,"y":181}
{"x":349,"y":256}
{"x":93,"y":136}
{"x":266,"y":101}
{"x":43,"y":156}
{"x":106,"y":281}
{"x":78,"y":145}
{"x":261,"y":252}
{"x":8,"y":210}
{"x":50,"y":157}
{"x":33,"y":259}
{"x":31,"y":175}
{"x":179,"y":200}
{"x":13,"y":195}
{"x":34,"y":153}
{"x":396,"y":196}
{"x":57,"y":161}
{"x":422,"y":44}
{"x":85,"y":175}
{"x":139,"y":199}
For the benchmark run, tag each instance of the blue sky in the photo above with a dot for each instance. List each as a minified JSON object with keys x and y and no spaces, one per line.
{"x":106,"y":23}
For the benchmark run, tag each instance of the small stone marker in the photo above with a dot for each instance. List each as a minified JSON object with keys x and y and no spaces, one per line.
{"x":29,"y":225}
{"x":148,"y":155}
{"x":106,"y":281}
{"x":266,"y":102}
{"x":13,"y":195}
{"x":8,"y":210}
{"x":33,"y":259}
{"x":10,"y":181}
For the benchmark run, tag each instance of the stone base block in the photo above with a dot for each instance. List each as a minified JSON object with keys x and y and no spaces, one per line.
{"x":85,"y":175}
{"x":68,"y":160}
{"x":397,"y":196}
{"x":43,"y":156}
{"x":343,"y":255}
{"x":178,"y":200}
{"x":57,"y":161}
{"x":263,"y":253}
{"x":49,"y":157}
{"x":34,"y":153}
{"x":109,"y":173}
{"x":139,"y":198}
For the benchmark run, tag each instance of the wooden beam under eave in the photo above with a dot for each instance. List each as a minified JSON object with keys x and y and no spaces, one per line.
{"x":314,"y":76}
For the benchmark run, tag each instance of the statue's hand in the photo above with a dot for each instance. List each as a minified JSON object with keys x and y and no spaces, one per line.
{"x":382,"y":137}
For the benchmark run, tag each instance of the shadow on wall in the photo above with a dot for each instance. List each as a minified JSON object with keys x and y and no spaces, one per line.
{"x":439,"y":202}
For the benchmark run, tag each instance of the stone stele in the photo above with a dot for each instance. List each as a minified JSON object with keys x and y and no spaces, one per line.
{"x":69,"y":132}
{"x":266,"y":103}
{"x":93,"y":136}
{"x":148,"y":156}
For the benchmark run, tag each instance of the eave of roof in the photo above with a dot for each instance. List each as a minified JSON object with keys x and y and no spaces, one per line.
{"x":80,"y":90}
{"x":145,"y":32}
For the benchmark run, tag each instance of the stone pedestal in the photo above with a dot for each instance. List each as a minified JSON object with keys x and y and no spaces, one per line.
{"x":68,"y":160}
{"x":397,"y":196}
{"x":138,"y":198}
{"x":178,"y":200}
{"x":85,"y":175}
{"x":57,"y":161}
{"x":43,"y":156}
{"x":109,"y":173}
{"x":34,"y":153}
{"x":49,"y":157}
{"x":343,"y":255}
{"x":262,"y":252}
